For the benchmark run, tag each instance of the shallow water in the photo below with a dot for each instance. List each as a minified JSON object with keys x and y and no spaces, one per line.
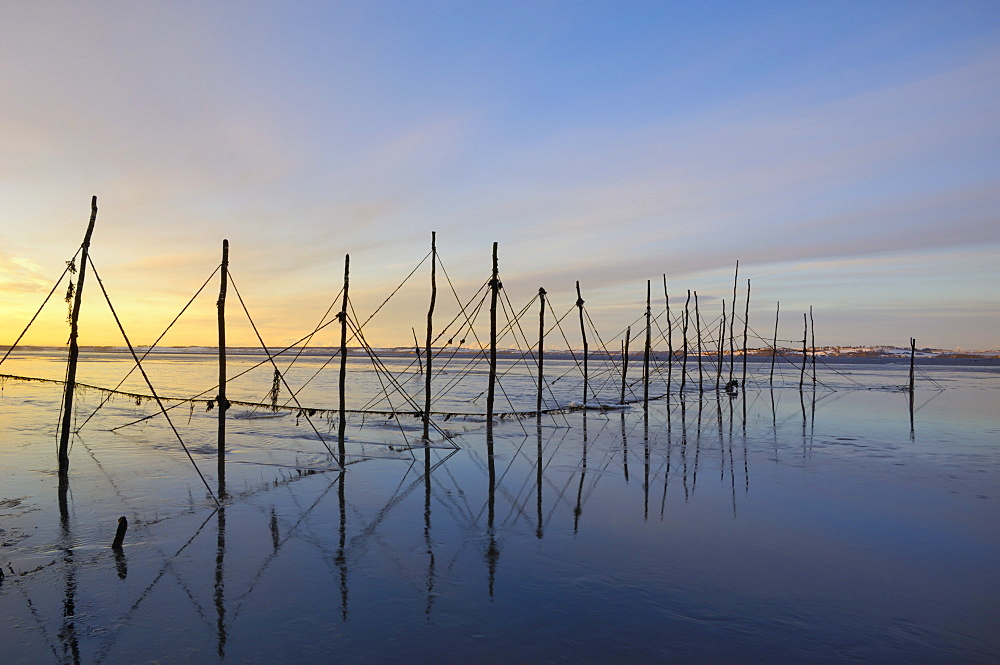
{"x":824,"y":526}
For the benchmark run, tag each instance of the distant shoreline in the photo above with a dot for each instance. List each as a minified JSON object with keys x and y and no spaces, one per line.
{"x":789,"y":357}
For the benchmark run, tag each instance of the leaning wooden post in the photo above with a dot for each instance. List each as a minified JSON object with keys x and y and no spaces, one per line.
{"x":74,"y":349}
{"x":913,"y":353}
{"x":805,"y":353}
{"x":774,"y":345}
{"x":670,"y":338}
{"x":583,"y":334}
{"x":645,"y":353}
{"x":628,"y":335}
{"x":491,"y":387}
{"x":342,"y":385}
{"x":732,"y":320}
{"x":697,"y":327}
{"x":430,"y":332}
{"x":541,"y":352}
{"x":684,"y":358}
{"x":746,"y":325}
{"x":221,"y":402}
{"x":722,"y":347}
{"x":812,"y":334}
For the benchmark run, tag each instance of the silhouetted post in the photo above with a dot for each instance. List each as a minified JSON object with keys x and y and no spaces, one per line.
{"x":645,"y":354}
{"x":74,"y":349}
{"x":670,"y":338}
{"x":430,"y":332}
{"x":774,"y":345}
{"x":221,"y":401}
{"x":541,"y":351}
{"x":805,"y":353}
{"x":583,"y":334}
{"x":732,"y":320}
{"x":913,"y":354}
{"x":491,"y":387}
{"x":628,"y":335}
{"x":342,"y":385}
{"x":746,"y":325}
{"x":812,"y":333}
{"x":697,"y":327}
{"x":722,"y":346}
{"x":120,"y":533}
{"x":684,"y":358}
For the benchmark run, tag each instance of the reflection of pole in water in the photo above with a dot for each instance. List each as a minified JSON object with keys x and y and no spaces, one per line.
{"x":666,"y":472}
{"x":624,"y":446}
{"x":492,"y":550}
{"x":341,"y":559}
{"x":684,"y":462}
{"x":645,"y":470}
{"x":578,"y":509}
{"x":275,"y":533}
{"x":538,"y":482}
{"x":428,"y":541}
{"x":220,"y":597}
{"x":68,"y":634}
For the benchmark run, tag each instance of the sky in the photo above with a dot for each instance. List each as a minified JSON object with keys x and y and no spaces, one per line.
{"x":845,"y":153}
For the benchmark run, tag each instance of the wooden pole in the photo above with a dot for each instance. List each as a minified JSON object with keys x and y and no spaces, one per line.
{"x":774,"y":345}
{"x":805,"y":353}
{"x":74,"y":349}
{"x":221,"y":402}
{"x":645,"y":353}
{"x":732,"y":320}
{"x":430,"y":332}
{"x":722,"y":347}
{"x":746,"y":325}
{"x":342,"y":404}
{"x":628,"y":335}
{"x":812,"y":333}
{"x":913,"y":354}
{"x":697,"y":327}
{"x":670,"y":338}
{"x":583,"y":334}
{"x":541,"y":351}
{"x":491,"y":387}
{"x":684,"y":358}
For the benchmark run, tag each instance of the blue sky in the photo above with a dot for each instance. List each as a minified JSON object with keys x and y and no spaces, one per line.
{"x":845,"y":153}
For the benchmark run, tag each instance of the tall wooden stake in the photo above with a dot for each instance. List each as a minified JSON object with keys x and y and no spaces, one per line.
{"x":221,"y":402}
{"x":746,"y":325}
{"x":812,"y":333}
{"x":697,"y":327}
{"x":491,"y":388}
{"x":628,"y":335}
{"x":541,"y":351}
{"x":342,"y":424}
{"x":805,"y":353}
{"x":732,"y":320}
{"x":774,"y":345}
{"x":684,"y":358}
{"x":430,"y":332}
{"x":583,"y":334}
{"x":913,"y":354}
{"x":645,"y":353}
{"x":722,"y":347}
{"x":74,"y":349}
{"x":670,"y":338}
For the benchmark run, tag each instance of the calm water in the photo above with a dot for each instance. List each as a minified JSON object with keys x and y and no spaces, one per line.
{"x":773,"y":527}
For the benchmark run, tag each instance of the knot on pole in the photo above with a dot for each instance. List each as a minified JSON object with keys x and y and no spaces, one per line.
{"x":542,"y":291}
{"x":496,"y":284}
{"x":579,"y":302}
